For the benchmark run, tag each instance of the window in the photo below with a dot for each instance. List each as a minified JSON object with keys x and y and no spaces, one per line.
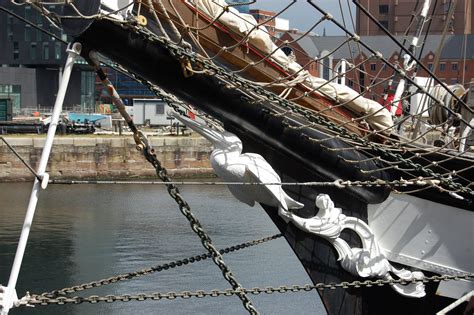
{"x":384,"y":24}
{"x":45,"y":51}
{"x":33,"y":51}
{"x":57,"y":50}
{"x":326,"y":68}
{"x":350,"y":83}
{"x":10,"y":28}
{"x":87,"y":90}
{"x":373,"y":67}
{"x":361,"y":77}
{"x":430,"y":66}
{"x":442,"y":66}
{"x":39,"y":34}
{"x":454,"y":66}
{"x":16,"y":51}
{"x":446,"y":6}
{"x":39,"y":18}
{"x":287,"y":50}
{"x":383,"y":9}
{"x":28,"y":13}
{"x":160,"y":109}
{"x":27,"y":33}
{"x":454,"y":81}
{"x":12,"y":92}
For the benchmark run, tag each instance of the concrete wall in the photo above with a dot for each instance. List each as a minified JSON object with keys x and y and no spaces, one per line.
{"x":105,"y":158}
{"x":26,"y":78}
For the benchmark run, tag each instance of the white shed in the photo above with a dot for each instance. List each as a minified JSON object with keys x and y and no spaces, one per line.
{"x":151,"y":111}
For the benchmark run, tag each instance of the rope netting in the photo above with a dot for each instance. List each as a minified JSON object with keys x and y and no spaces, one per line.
{"x":344,"y":87}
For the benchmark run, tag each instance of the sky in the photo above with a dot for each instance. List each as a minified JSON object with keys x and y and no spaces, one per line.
{"x":303,"y":16}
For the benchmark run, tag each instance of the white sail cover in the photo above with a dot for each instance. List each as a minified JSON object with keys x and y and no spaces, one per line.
{"x":377,"y":116}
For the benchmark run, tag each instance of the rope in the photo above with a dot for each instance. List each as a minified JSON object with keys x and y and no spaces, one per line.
{"x":391,"y":151}
{"x":339,"y":183}
{"x":22,"y":160}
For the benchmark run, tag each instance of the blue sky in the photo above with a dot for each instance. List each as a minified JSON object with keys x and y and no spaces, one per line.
{"x":302,"y":15}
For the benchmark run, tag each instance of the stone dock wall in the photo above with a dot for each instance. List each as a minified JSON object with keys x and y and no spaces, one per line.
{"x":74,"y":157}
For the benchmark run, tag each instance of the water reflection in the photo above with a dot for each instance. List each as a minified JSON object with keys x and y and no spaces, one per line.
{"x":88,"y":232}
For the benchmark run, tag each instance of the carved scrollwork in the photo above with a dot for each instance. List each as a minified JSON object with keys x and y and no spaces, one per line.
{"x":366,"y":262}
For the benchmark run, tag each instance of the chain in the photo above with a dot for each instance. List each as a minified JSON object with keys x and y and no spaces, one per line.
{"x":144,"y":146}
{"x":180,"y":53}
{"x":44,"y":300}
{"x":149,"y":153}
{"x":196,"y":226}
{"x":150,"y":270}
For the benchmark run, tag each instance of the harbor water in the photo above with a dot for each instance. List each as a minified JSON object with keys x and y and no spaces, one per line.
{"x":83,"y":233}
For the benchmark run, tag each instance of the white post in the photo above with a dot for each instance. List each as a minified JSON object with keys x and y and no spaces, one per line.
{"x":397,"y":97}
{"x":342,"y":78}
{"x":10,"y":297}
{"x":408,"y":62}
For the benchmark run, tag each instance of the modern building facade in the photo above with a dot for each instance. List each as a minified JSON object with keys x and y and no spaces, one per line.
{"x":31,"y":64}
{"x":398,"y":15}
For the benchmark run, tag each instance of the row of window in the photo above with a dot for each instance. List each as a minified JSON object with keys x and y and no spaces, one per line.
{"x":30,"y":33}
{"x":442,"y":66}
{"x":12,"y":92}
{"x":45,"y":51}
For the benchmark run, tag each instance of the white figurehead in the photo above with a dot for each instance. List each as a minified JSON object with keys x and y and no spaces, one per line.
{"x":231,"y":165}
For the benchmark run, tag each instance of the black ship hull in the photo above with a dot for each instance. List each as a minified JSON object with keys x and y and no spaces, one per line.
{"x":291,"y":152}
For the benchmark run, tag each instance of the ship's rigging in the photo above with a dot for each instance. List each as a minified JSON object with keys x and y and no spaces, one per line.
{"x":306,"y":105}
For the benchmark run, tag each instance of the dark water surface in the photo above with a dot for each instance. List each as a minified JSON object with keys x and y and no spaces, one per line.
{"x":83,"y":233}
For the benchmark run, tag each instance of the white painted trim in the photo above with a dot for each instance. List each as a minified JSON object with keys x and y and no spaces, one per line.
{"x":365,"y":262}
{"x":428,"y":236}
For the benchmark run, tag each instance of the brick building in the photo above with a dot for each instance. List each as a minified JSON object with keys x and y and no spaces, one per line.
{"x":456,"y":59}
{"x":276,"y":26}
{"x":395,"y":15}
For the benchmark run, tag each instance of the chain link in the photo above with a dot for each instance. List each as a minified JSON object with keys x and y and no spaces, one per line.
{"x":240,"y":83}
{"x":44,"y":300}
{"x":150,"y":270}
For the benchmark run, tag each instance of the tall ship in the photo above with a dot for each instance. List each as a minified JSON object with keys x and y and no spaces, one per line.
{"x":366,"y":172}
